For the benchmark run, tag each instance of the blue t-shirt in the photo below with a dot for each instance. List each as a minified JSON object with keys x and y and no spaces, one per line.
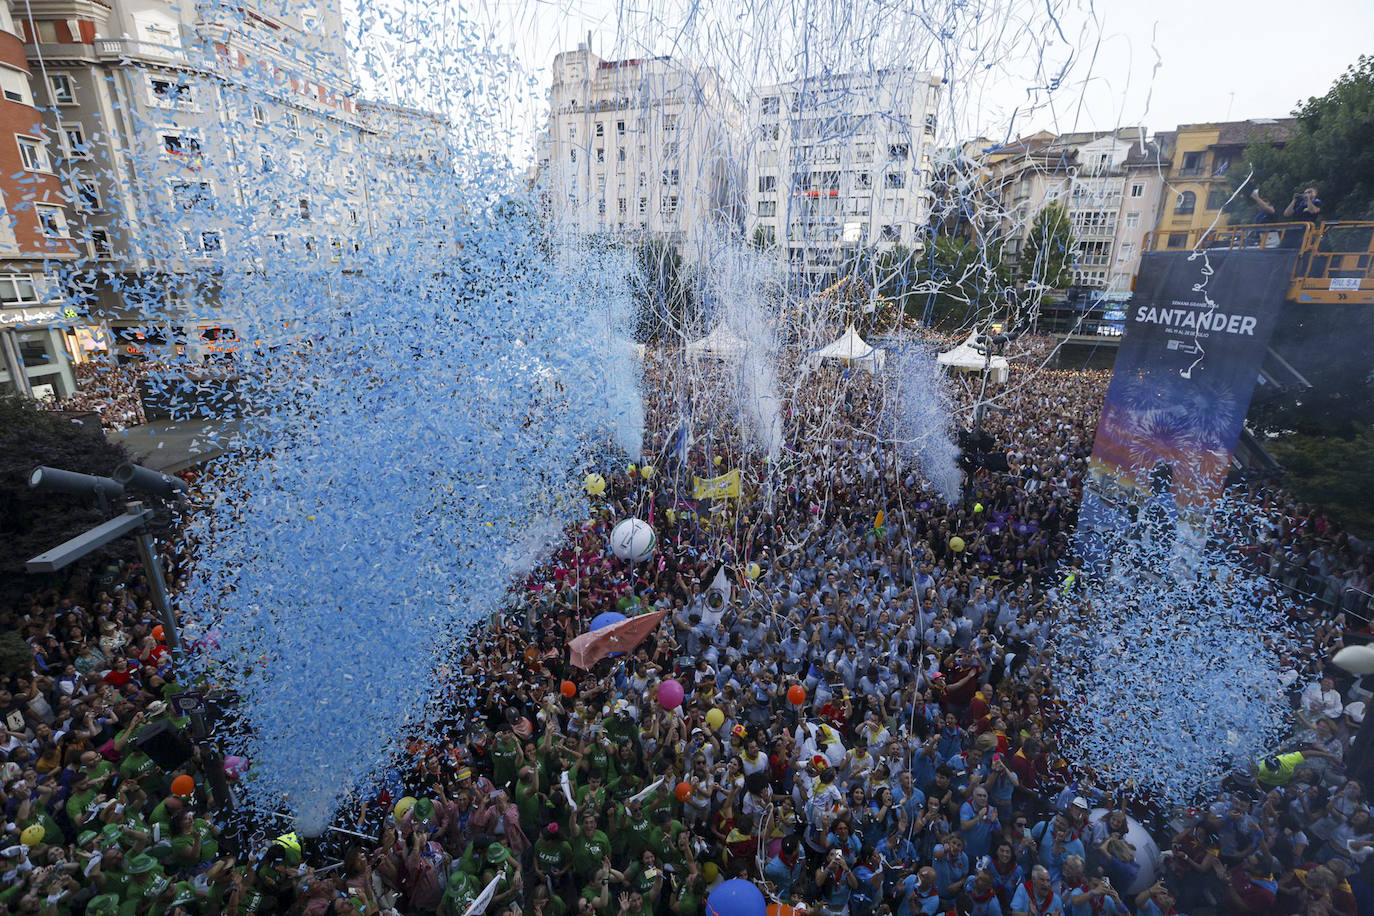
{"x":1021,"y":903}
{"x":978,"y":838}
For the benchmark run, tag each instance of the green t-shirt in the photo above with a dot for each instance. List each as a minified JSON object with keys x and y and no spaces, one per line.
{"x":552,"y":855}
{"x":504,"y":754}
{"x":637,"y":877}
{"x":641,"y":834}
{"x":138,"y":766}
{"x":530,"y":806}
{"x":588,"y":853}
{"x":77,"y":803}
{"x":209,"y":845}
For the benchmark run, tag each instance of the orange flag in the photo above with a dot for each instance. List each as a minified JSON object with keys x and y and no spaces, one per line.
{"x":589,"y":648}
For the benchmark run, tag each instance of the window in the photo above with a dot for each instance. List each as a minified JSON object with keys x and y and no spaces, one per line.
{"x":1216,"y":198}
{"x":75,"y":137}
{"x":303,"y":207}
{"x":1126,"y":252}
{"x":620,"y":128}
{"x":1187,"y":202}
{"x":768,"y":183}
{"x":1095,"y":254}
{"x":320,"y":136}
{"x":670,"y":122}
{"x":600,"y":154}
{"x":87,"y":195}
{"x":259,"y":115}
{"x":100,"y":244}
{"x":930,"y":123}
{"x":193,"y":195}
{"x":644,"y":205}
{"x":14,"y":86}
{"x":32,"y":154}
{"x":620,"y":154}
{"x":669,"y":205}
{"x":1221,"y":165}
{"x":1192,"y":163}
{"x":52,"y":221}
{"x":622,"y":206}
{"x":894,"y":180}
{"x":574,"y":155}
{"x":769,"y":105}
{"x":16,"y":289}
{"x":169,"y":93}
{"x":671,"y":176}
{"x":768,"y":208}
{"x":863,"y":180}
{"x":202,"y":244}
{"x":600,"y":129}
{"x":336,"y":249}
{"x":891,"y":233}
{"x":601,"y":207}
{"x":1177,"y":239}
{"x":63,"y":92}
{"x":572,"y":131}
{"x":181,"y":145}
{"x":898,"y":151}
{"x":1133,"y":220}
{"x":1137,"y":190}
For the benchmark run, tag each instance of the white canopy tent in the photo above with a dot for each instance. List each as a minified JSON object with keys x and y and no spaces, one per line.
{"x":721,"y":343}
{"x":966,"y":358}
{"x":851,"y":348}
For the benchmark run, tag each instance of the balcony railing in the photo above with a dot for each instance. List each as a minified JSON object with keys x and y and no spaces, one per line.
{"x":132,"y":49}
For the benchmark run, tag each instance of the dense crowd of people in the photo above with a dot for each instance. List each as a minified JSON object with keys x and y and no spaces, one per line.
{"x":111,"y":389}
{"x":869,"y":722}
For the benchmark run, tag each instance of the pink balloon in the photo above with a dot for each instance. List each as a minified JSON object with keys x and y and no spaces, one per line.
{"x":670,"y":694}
{"x":235,"y":766}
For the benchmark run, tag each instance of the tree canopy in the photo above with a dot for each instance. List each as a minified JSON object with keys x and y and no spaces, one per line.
{"x":1332,"y":149}
{"x":1047,"y":256}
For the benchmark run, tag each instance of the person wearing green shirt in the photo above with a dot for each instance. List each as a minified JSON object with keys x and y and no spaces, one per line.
{"x":166,"y":810}
{"x":645,"y":876}
{"x":459,"y":894}
{"x":638,"y":829}
{"x":690,"y":895}
{"x":529,"y":800}
{"x":506,"y":754}
{"x":590,"y":846}
{"x":552,"y":856}
{"x":592,"y":796}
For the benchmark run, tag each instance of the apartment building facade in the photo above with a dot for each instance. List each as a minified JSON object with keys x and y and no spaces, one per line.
{"x":641,"y":148}
{"x":1199,"y":174}
{"x":841,"y":163}
{"x":35,"y":348}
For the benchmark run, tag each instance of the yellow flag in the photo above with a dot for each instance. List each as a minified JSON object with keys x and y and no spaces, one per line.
{"x":725,"y":486}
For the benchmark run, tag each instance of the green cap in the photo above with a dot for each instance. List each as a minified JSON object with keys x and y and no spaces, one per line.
{"x":103,"y":904}
{"x":85,"y":837}
{"x":496,"y":854}
{"x":140,"y":864}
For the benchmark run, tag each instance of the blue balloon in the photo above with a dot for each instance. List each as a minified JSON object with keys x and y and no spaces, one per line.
{"x":606,"y":618}
{"x":736,"y":897}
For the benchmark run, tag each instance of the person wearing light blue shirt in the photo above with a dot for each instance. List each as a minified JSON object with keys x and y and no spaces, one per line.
{"x":977,"y":822}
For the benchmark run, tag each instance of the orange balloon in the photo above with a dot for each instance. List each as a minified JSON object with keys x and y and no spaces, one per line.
{"x":683,"y":791}
{"x":183,"y":785}
{"x":531,"y":655}
{"x":781,"y":909}
{"x":158,"y":633}
{"x":568,"y":689}
{"x":796,"y":694}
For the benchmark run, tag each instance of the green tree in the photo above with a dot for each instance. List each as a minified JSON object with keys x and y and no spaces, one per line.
{"x":1048,"y":254}
{"x":1332,"y":149}
{"x":32,"y":521}
{"x":964,"y":282}
{"x":663,"y":294}
{"x":1335,"y":473}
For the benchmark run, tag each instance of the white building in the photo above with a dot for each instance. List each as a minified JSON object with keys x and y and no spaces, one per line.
{"x":840,"y":163}
{"x":642,"y":147}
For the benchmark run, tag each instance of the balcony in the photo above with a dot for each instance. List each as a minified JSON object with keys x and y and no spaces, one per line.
{"x":132,"y":49}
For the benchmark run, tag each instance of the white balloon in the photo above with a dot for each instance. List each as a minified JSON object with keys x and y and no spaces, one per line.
{"x":633,"y":540}
{"x":1355,"y":659}
{"x":1146,"y":852}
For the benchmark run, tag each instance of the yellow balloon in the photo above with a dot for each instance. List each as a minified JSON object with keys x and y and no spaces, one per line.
{"x":594,"y":484}
{"x":402,"y":806}
{"x":710,"y":871}
{"x":672,"y":515}
{"x":956,"y":544}
{"x":647,"y":472}
{"x":718,"y":460}
{"x":752,"y":570}
{"x":33,"y":835}
{"x":630,"y":469}
{"x":714,"y":719}
{"x":977,"y":507}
